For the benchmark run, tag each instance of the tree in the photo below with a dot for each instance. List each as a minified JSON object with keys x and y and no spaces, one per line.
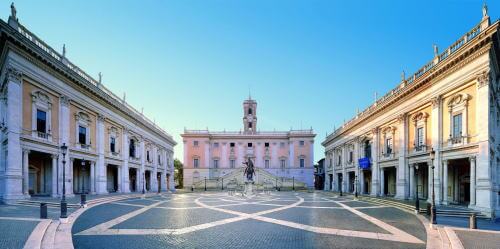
{"x":178,"y":171}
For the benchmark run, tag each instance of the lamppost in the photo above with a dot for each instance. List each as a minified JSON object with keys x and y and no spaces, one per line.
{"x":417,"y":203}
{"x":433,"y":208}
{"x":205,"y":183}
{"x":356,"y":186}
{"x":64,"y":205}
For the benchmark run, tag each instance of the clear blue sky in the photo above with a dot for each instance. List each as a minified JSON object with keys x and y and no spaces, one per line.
{"x":191,"y":63}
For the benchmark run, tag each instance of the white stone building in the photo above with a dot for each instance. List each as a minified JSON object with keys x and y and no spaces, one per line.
{"x":47,"y":101}
{"x":450,"y":106}
{"x":279,"y":156}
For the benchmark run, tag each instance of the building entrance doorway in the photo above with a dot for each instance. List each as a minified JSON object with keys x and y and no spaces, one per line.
{"x":331,"y":181}
{"x":112,"y":178}
{"x":459,"y":181}
{"x":351,"y":175}
{"x":367,"y":181}
{"x":389,"y":181}
{"x":81,"y":176}
{"x":132,"y":174}
{"x":340,"y":182}
{"x":39,"y":173}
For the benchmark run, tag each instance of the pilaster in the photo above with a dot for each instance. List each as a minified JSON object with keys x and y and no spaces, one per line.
{"x":402,"y":189}
{"x":436,"y":131}
{"x":375,"y":190}
{"x":13,"y":175}
{"x":101,"y":167}
{"x":125,"y":181}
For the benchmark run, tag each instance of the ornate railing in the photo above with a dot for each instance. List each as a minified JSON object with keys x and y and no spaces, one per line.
{"x":42,"y":45}
{"x":469,"y":36}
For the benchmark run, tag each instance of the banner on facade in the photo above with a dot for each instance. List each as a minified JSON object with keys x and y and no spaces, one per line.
{"x":364,"y":163}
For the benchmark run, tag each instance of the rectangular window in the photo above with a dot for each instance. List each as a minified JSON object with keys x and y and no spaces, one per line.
{"x":420,"y":136}
{"x":216,"y":163}
{"x":266,"y":145}
{"x":147,"y":156}
{"x":301,"y":143}
{"x":457,"y":125}
{"x":368,"y":149}
{"x":131,"y":148}
{"x":159,"y":159}
{"x":302,"y":162}
{"x":339,"y":162}
{"x":250,"y":125}
{"x":331,"y":163}
{"x":388,"y":145}
{"x":112,"y":143}
{"x":195,"y":163}
{"x":41,"y":121}
{"x":82,"y":135}
{"x":282,"y":163}
{"x":282,"y":144}
{"x":195,"y":143}
{"x":350,"y":156}
{"x":267,"y":164}
{"x":216,"y":145}
{"x":231,"y":145}
{"x":250,"y":145}
{"x":232,"y":164}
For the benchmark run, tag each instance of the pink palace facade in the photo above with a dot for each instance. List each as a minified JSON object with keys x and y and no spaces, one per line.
{"x":283,"y":154}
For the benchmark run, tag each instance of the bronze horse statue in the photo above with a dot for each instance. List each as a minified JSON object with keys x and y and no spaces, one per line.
{"x":249,"y":170}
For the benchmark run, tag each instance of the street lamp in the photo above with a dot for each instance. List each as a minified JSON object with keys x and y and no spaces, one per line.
{"x":433,"y":208}
{"x":64,"y":205}
{"x":417,"y":203}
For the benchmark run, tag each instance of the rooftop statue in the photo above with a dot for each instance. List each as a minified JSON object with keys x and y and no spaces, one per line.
{"x":13,"y":11}
{"x":485,"y":10}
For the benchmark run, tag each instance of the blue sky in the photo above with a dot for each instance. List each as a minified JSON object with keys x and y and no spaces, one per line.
{"x":191,"y":63}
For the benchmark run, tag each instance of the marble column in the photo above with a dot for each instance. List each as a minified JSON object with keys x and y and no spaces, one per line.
{"x":382,"y":180}
{"x":413,"y":183}
{"x":445,"y":182}
{"x":472,"y":181}
{"x":69,"y":177}
{"x":26,"y":153}
{"x":430,"y":175}
{"x":92,"y":177}
{"x":142,"y":171}
{"x":54,"y":175}
{"x":119,"y":177}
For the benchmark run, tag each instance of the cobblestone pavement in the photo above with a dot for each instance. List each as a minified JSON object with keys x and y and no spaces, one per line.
{"x":218,"y":220}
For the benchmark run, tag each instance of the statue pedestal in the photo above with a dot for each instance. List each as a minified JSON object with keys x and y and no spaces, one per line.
{"x":248,"y":192}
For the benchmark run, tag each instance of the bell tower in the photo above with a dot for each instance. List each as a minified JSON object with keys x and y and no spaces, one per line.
{"x":249,"y":115}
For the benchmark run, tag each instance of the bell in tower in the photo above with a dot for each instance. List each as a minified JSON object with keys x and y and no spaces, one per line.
{"x":249,"y":115}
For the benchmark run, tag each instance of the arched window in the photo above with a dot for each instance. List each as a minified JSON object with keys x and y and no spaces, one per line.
{"x":250,"y":112}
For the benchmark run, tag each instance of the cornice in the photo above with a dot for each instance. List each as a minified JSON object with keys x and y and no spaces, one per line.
{"x":39,"y":57}
{"x":477,"y":47}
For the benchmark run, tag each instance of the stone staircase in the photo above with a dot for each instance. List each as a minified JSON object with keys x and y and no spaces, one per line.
{"x":262,"y":179}
{"x":446,"y":211}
